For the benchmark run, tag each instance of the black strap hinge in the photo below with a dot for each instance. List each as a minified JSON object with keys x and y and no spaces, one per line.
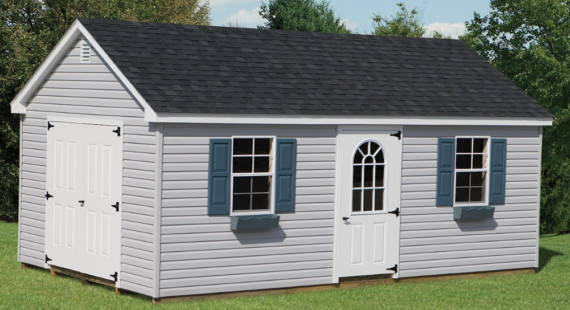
{"x":398,"y":135}
{"x":114,"y":276}
{"x":394,"y":269}
{"x":118,"y":131}
{"x":397,"y":212}
{"x":47,"y":259}
{"x":116,"y":206}
{"x":48,"y":196}
{"x":50,"y":125}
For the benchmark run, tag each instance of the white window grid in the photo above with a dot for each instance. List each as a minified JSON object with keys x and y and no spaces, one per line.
{"x":270,"y":174}
{"x":485,"y":169}
{"x":374,"y":187}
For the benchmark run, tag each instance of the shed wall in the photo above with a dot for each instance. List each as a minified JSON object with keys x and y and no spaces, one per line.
{"x":201,"y":255}
{"x":91,"y":90}
{"x":432,"y":243}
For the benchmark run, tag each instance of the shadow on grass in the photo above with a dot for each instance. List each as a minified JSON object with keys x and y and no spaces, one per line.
{"x":545,"y":255}
{"x":126,"y":293}
{"x":111,"y":290}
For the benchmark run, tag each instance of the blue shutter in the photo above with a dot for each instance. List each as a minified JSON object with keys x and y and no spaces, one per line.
{"x":285,"y":175}
{"x":498,"y":171}
{"x":219,"y":174}
{"x":445,"y":174}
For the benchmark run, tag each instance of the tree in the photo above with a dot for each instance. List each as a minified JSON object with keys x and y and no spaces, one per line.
{"x":301,"y":15}
{"x":29,"y":29}
{"x":404,"y":24}
{"x":528,"y":42}
{"x":438,"y":35}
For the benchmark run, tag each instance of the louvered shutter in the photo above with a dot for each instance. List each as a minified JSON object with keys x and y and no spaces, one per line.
{"x":285,"y":175}
{"x":445,"y":174}
{"x":219,"y":174}
{"x":498,"y":171}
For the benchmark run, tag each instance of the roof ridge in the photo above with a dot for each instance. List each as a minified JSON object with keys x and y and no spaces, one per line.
{"x":254,"y":30}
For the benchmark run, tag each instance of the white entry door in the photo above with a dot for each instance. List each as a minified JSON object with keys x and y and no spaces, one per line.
{"x":370,"y":163}
{"x":83,"y":180}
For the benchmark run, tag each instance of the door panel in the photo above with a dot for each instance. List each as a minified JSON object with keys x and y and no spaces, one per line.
{"x":84,"y":172}
{"x":379,"y":243}
{"x":369,"y":188}
{"x":70,"y":227}
{"x":356,"y":244}
{"x":71,"y":166}
{"x":57,"y":224}
{"x":58,"y":165}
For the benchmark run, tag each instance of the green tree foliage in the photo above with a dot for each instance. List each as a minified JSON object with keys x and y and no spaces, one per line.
{"x":404,"y":24}
{"x":529,"y":42}
{"x":301,"y":15}
{"x":438,"y":35}
{"x":28,"y":31}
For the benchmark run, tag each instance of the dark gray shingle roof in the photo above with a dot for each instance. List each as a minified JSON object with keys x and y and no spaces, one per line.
{"x":201,"y":69}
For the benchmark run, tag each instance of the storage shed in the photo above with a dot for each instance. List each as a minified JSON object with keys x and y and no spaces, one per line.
{"x":187,"y":160}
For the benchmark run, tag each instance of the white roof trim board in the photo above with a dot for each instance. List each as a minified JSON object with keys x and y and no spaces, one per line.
{"x":77,"y":30}
{"x":346,"y":120}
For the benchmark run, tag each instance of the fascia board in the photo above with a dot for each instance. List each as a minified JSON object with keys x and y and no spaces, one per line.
{"x":346,"y":120}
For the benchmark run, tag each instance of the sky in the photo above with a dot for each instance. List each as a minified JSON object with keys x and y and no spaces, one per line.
{"x":445,"y":16}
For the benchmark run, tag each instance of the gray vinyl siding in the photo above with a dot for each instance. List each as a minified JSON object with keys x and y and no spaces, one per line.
{"x":201,"y":255}
{"x":432,"y":243}
{"x":90,"y":90}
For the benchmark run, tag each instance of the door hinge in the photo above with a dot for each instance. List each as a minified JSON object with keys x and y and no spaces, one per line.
{"x":394,"y":269}
{"x":50,"y":125}
{"x":118,"y":131}
{"x":47,"y":259}
{"x":114,"y":276}
{"x":116,"y":206}
{"x":397,"y":212}
{"x":398,"y":135}
{"x":48,"y":196}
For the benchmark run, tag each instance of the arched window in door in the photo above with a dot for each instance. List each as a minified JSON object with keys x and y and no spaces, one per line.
{"x":368,"y":178}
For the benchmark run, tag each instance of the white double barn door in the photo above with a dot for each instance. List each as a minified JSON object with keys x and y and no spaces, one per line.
{"x":84,"y":170}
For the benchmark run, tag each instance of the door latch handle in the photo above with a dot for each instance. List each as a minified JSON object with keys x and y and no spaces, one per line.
{"x":396,"y":212}
{"x":82,"y":202}
{"x":345,"y":218}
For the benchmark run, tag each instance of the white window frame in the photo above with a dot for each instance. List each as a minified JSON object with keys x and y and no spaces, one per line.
{"x":271,"y":173}
{"x":486,"y":170}
{"x":385,"y":187}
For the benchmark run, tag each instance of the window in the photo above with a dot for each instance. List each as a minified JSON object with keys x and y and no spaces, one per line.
{"x":471,"y":170}
{"x":252,"y":173}
{"x":368,"y":178}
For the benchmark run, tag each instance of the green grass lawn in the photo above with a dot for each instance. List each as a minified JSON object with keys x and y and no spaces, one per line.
{"x":549,"y":288}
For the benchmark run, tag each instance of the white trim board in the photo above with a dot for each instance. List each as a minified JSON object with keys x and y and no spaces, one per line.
{"x":74,"y":33}
{"x":82,"y":120}
{"x":346,"y":120}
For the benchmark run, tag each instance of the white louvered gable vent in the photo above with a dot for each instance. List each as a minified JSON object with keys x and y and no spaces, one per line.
{"x":85,"y":52}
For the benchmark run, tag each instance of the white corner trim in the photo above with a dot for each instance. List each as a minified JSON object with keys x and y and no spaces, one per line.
{"x":75,"y":31}
{"x":158,"y":210}
{"x":538,"y":191}
{"x":345,"y":120}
